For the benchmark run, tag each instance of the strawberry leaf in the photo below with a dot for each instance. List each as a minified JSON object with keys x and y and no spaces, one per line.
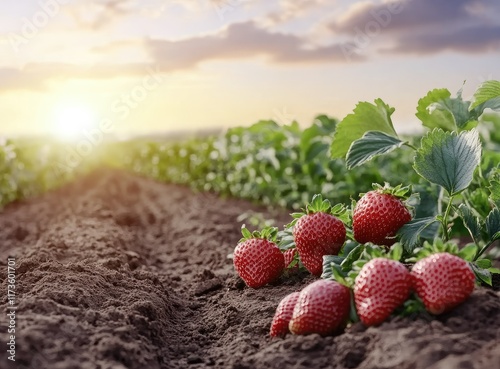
{"x":365,"y":117}
{"x":468,"y":252}
{"x":372,"y":144}
{"x":435,"y":118}
{"x":471,"y":222}
{"x":449,"y":159}
{"x":348,"y":247}
{"x":332,"y":269}
{"x":439,"y":110}
{"x":353,"y":314}
{"x":354,"y":255}
{"x":286,"y":239}
{"x":494,"y":189}
{"x":486,"y":91}
{"x":482,"y":275}
{"x":410,"y":232}
{"x":483,"y":263}
{"x":493,"y":225}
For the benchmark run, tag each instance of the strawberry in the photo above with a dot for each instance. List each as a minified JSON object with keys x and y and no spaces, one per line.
{"x":322,"y":307}
{"x":379,"y":214}
{"x":380,"y":287}
{"x":289,"y":257}
{"x":442,"y":281}
{"x":284,"y":312}
{"x":317,"y":233}
{"x":257,"y":259}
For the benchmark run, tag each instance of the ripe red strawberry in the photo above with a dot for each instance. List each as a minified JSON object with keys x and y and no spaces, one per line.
{"x":442,"y":281}
{"x":377,"y":217}
{"x":318,"y":233}
{"x":322,"y":307}
{"x":380,"y":287}
{"x":284,"y":312}
{"x":257,"y":260}
{"x":289,"y":256}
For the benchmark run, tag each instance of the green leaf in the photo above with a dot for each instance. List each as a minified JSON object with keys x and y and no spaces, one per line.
{"x":468,"y":252}
{"x":365,"y":117}
{"x":486,"y":91}
{"x":449,"y":159}
{"x":494,"y":189}
{"x":328,"y":261}
{"x":372,"y":144}
{"x":348,"y":247}
{"x":437,"y":118}
{"x":315,"y":149}
{"x":411,"y":231}
{"x":396,"y":251}
{"x":351,"y":258}
{"x":493,"y":225}
{"x":483,"y":263}
{"x":439,"y":110}
{"x":286,"y":239}
{"x":482,"y":275}
{"x":471,"y":222}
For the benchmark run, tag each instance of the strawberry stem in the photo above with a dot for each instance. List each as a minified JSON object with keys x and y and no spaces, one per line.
{"x":444,"y":220}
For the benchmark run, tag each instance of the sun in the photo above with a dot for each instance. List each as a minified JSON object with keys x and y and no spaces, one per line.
{"x":72,"y":121}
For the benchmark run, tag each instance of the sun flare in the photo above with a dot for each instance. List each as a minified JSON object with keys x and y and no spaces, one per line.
{"x":72,"y":121}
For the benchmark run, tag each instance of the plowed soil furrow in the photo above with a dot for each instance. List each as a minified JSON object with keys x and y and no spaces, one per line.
{"x":117,"y":271}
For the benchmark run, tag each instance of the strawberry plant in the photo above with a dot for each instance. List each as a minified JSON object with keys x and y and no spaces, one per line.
{"x":458,"y":184}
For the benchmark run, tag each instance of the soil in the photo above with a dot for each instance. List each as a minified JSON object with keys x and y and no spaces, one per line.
{"x":117,"y":271}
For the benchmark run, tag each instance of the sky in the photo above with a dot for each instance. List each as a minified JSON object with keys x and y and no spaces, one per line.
{"x":142,"y":66}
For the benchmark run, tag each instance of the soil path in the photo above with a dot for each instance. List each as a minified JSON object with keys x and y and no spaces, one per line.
{"x":117,"y":271}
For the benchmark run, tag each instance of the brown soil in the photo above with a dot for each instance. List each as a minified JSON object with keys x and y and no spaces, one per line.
{"x":117,"y":271}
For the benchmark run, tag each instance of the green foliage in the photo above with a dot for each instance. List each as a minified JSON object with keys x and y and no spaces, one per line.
{"x":449,"y":159}
{"x":487,"y":91}
{"x":365,"y":117}
{"x":373,"y":143}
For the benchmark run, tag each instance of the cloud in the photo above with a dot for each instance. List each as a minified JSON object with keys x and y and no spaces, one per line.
{"x":238,"y":41}
{"x":38,"y":76}
{"x":99,"y":14}
{"x":424,"y":26}
{"x":467,"y":40}
{"x":242,"y":40}
{"x":292,"y":9}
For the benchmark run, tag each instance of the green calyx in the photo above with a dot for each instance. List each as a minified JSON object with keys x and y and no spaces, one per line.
{"x":400,"y":191}
{"x":438,"y":245}
{"x":268,"y":233}
{"x":404,"y":193}
{"x":320,"y":205}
